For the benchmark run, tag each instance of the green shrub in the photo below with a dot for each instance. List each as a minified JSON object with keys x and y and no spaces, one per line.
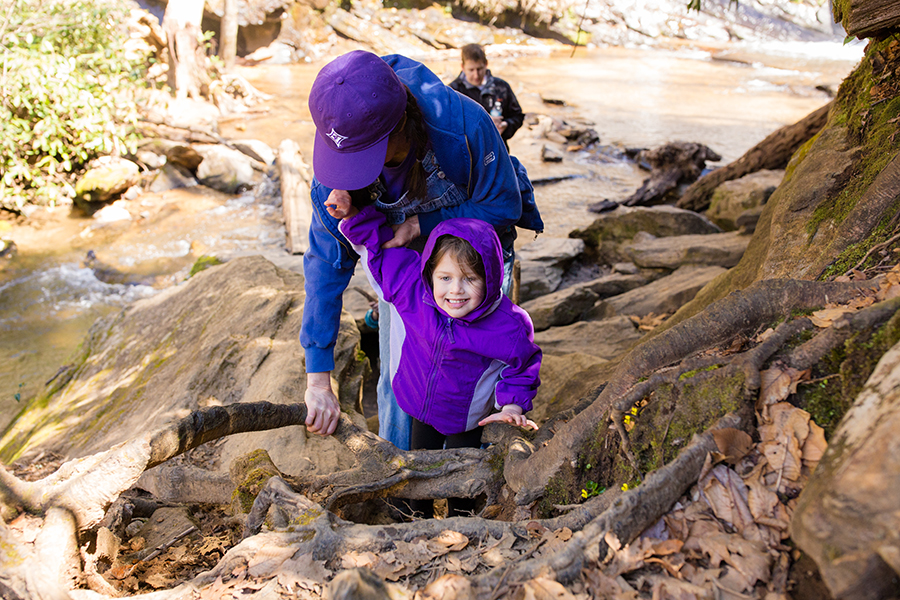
{"x":67,"y":94}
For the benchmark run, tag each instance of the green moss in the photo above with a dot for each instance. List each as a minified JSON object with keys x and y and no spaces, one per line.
{"x":871,"y":126}
{"x":203,"y":263}
{"x":689,"y":374}
{"x":799,"y":155}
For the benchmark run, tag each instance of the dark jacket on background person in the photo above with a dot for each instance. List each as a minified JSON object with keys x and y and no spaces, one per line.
{"x":487,"y":94}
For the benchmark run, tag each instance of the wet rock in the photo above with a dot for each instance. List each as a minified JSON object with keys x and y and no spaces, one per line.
{"x":559,"y":308}
{"x":171,"y":177}
{"x":256,"y":150}
{"x":8,"y":249}
{"x":606,"y":339}
{"x":150,"y":159}
{"x":659,"y":297}
{"x":733,"y":198}
{"x":846,"y":518}
{"x":228,"y":334}
{"x":117,"y":211}
{"x":104,"y":182}
{"x":185,"y":156}
{"x":603,"y":206}
{"x":611,"y":228}
{"x":193,"y":115}
{"x":549,"y":154}
{"x":721,"y":249}
{"x":676,"y":163}
{"x":225,"y":169}
{"x":276,"y":53}
{"x":544,"y":262}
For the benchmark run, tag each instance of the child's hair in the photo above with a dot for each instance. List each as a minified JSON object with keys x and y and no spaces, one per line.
{"x":462,"y":251}
{"x":473,"y":52}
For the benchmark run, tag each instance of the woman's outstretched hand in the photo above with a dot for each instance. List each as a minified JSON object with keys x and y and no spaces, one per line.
{"x":339,"y":206}
{"x":322,"y":409}
{"x":512,"y":414}
{"x":405,"y":232}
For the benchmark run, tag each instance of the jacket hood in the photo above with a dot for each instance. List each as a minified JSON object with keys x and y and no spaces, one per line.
{"x":486,"y":243}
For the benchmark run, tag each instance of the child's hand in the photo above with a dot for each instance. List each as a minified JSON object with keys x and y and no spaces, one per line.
{"x":512,"y":414}
{"x":338,"y":205}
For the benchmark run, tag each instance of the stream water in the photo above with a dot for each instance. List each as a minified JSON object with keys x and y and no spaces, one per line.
{"x":633,"y":97}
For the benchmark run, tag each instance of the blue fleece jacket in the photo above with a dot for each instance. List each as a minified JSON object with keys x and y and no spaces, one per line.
{"x":470,"y":153}
{"x":448,"y":372}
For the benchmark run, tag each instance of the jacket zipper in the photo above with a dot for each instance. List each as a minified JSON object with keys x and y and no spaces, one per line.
{"x":432,"y":380}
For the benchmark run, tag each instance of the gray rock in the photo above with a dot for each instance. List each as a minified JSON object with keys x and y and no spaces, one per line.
{"x":720,"y":249}
{"x":606,"y":339}
{"x":171,"y":177}
{"x":225,"y":169}
{"x":614,"y":284}
{"x":106,"y":180}
{"x":612,"y":228}
{"x":543,"y":264}
{"x":662,"y":296}
{"x":256,"y":150}
{"x":747,"y":220}
{"x":549,"y":154}
{"x":733,"y":198}
{"x":559,"y":308}
{"x":628,"y":268}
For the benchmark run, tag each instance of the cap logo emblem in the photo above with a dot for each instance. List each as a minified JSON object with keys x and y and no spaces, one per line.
{"x":337,"y":138}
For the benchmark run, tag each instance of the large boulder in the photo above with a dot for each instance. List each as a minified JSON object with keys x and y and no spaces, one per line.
{"x":544,"y":262}
{"x":225,"y":169}
{"x":660,"y":297}
{"x":104,"y":182}
{"x":720,"y":249}
{"x":846,"y":518}
{"x":606,"y":339}
{"x":228,"y":335}
{"x":610,"y":229}
{"x":733,"y":198}
{"x":559,"y":308}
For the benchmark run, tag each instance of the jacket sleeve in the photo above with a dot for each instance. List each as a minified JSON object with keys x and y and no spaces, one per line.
{"x":512,"y":114}
{"x":327,"y":268}
{"x":393,"y":272}
{"x":494,"y":192}
{"x":520,"y":380}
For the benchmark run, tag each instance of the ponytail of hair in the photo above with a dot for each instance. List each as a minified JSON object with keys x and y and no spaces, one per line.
{"x":415,"y":132}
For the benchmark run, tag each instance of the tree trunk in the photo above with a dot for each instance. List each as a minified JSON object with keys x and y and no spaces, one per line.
{"x":774,"y":152}
{"x":182,"y":26}
{"x":229,"y":32}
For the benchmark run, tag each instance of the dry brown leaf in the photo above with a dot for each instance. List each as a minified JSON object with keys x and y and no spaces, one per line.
{"x":887,"y":293}
{"x":667,"y":547}
{"x":815,"y":445}
{"x":545,"y":589}
{"x":447,"y":587}
{"x":453,"y":541}
{"x":765,"y":335}
{"x":564,"y":534}
{"x":733,"y":443}
{"x":827,"y":316}
{"x":777,"y":383}
{"x":669,"y":588}
{"x":726,"y":494}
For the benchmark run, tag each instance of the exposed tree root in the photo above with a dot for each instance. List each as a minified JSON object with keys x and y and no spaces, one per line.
{"x":740,"y":312}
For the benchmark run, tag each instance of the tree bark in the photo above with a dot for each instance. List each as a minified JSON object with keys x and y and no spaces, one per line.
{"x":774,"y":152}
{"x":181,"y":24}
{"x":229,"y":34}
{"x":295,"y":200}
{"x":865,"y":18}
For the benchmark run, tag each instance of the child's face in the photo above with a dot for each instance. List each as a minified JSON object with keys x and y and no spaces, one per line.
{"x":458,"y":293}
{"x":474,"y":71}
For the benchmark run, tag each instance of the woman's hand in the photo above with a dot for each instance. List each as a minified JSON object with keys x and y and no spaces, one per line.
{"x":405,"y":232}
{"x":512,"y":414}
{"x":322,"y":408}
{"x":339,"y":205}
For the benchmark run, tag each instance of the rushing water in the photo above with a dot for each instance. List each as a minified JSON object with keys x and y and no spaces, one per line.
{"x":633,"y":98}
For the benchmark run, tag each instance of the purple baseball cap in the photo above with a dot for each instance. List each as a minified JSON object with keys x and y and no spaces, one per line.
{"x":355,"y":102}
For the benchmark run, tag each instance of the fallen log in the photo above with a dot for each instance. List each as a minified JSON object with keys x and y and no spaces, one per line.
{"x":295,"y":200}
{"x":774,"y":152}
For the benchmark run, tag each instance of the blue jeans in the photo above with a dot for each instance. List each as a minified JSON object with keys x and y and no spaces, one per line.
{"x":393,"y":424}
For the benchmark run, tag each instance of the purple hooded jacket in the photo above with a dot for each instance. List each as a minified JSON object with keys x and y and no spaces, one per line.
{"x":446,"y":372}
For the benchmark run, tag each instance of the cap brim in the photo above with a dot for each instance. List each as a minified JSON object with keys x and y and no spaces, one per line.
{"x":348,"y":170}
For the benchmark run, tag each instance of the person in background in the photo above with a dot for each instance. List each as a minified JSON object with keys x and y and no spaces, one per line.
{"x":494,"y":94}
{"x":468,"y":351}
{"x":389,"y":132}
